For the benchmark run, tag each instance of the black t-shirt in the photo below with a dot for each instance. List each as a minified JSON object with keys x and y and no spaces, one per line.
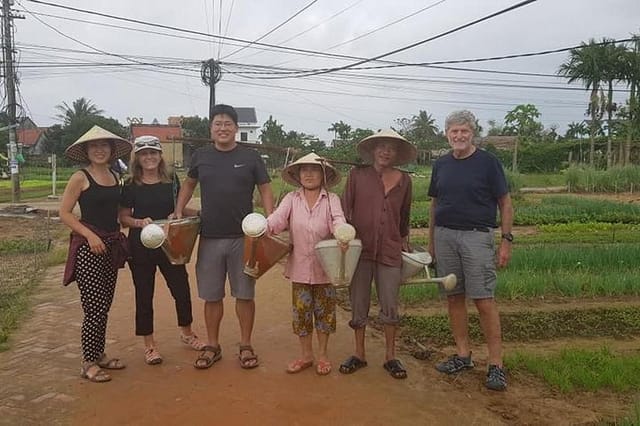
{"x":148,"y":200}
{"x":227,"y":180}
{"x":467,"y":190}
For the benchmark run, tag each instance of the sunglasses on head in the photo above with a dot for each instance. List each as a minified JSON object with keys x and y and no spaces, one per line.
{"x":148,"y":144}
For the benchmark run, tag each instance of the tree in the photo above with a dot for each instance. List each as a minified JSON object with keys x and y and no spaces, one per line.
{"x":341,"y":130}
{"x":420,"y":129}
{"x":522,"y":121}
{"x":423,"y":126}
{"x":576,"y":130}
{"x":196,"y":127}
{"x":586,"y":64}
{"x":631,"y":75}
{"x":81,"y":108}
{"x":613,"y":57}
{"x":272,"y":133}
{"x":494,"y":128}
{"x":358,"y":134}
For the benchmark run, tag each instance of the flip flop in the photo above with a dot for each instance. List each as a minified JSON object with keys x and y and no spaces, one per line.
{"x":395,"y":369}
{"x":323,"y":368}
{"x":298,"y":365}
{"x":352,"y":364}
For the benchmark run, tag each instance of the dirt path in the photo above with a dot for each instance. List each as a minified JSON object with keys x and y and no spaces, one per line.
{"x":40,"y":384}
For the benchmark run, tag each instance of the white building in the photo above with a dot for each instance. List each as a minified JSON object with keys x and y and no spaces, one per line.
{"x":247,"y":125}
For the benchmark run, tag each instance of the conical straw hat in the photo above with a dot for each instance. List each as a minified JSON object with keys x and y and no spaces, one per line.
{"x":407,"y":152}
{"x":291,"y":173}
{"x":77,"y":151}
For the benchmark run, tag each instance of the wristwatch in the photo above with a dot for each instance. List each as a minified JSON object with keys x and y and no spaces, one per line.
{"x":508,"y":236}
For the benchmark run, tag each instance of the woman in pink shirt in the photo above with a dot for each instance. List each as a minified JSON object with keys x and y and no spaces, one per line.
{"x":311,"y":214}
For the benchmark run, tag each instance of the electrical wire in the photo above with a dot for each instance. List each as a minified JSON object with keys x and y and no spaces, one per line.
{"x":274,"y":29}
{"x":397,"y":21}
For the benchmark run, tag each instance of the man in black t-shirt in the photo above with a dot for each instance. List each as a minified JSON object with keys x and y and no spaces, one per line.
{"x":227,"y":174}
{"x":467,"y":188}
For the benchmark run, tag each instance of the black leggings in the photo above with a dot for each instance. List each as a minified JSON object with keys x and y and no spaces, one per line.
{"x":143,"y":274}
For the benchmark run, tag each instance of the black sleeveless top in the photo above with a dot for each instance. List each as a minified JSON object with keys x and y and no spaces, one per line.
{"x":99,"y":204}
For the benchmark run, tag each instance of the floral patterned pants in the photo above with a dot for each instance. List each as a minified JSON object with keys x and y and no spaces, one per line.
{"x":313,"y":302}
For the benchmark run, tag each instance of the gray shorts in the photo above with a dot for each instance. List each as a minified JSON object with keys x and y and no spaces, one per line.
{"x":470,"y":255}
{"x":217,"y":258}
{"x":388,"y":279}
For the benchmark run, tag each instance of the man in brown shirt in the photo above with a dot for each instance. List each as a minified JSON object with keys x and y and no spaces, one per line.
{"x":377,"y":202}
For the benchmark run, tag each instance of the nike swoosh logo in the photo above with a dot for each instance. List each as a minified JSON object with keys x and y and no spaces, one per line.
{"x":235,"y":166}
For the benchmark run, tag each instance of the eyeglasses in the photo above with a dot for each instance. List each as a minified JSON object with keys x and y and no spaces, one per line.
{"x":222,"y":124}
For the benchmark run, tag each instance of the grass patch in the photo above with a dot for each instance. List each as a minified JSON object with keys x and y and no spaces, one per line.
{"x":20,"y":276}
{"x":574,"y":369}
{"x":23,"y":246}
{"x":23,"y":265}
{"x":550,"y":209}
{"x":559,"y":270}
{"x":527,"y":326}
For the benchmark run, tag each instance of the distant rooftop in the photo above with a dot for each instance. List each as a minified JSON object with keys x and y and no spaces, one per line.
{"x":247,"y":115}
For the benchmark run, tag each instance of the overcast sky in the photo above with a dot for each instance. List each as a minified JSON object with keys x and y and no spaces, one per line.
{"x":367,"y":98}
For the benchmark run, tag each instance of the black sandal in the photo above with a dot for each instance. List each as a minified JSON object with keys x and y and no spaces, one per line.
{"x":352,"y":364}
{"x":205,"y":361}
{"x":395,"y":368}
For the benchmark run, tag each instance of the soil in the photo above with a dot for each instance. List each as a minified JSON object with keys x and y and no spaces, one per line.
{"x":175,"y":392}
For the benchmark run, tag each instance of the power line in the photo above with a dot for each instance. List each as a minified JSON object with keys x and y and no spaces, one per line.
{"x":421,"y":42}
{"x":307,"y":6}
{"x":375,"y":30}
{"x":284,"y":49}
{"x":226,"y":28}
{"x":292,"y":50}
{"x":313,"y":27}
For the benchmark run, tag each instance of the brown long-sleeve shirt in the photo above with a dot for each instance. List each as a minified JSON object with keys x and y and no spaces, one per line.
{"x":381,"y":220}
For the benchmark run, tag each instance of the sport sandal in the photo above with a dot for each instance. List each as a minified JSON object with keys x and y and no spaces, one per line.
{"x":93,"y":373}
{"x":152,"y":356}
{"x":193,"y":341}
{"x":110,"y":363}
{"x":209,"y":356}
{"x":248,"y":361}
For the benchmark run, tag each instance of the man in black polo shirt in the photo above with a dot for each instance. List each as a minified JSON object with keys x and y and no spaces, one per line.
{"x":227,"y":174}
{"x":467,"y":188}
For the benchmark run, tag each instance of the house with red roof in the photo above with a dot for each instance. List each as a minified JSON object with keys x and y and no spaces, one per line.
{"x":32,"y":140}
{"x":172,"y":150}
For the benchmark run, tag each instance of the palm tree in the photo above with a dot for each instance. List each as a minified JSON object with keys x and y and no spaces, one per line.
{"x":341,"y":130}
{"x":631,"y":59}
{"x":576,"y":130}
{"x":79,"y":109}
{"x":586,"y":64}
{"x":424,"y":126}
{"x":614,"y":65}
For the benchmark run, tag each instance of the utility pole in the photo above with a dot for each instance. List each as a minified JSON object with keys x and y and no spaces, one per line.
{"x":210,"y":75}
{"x":10,"y":89}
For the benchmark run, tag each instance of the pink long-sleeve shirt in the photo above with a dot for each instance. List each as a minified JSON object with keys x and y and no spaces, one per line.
{"x":307,"y":226}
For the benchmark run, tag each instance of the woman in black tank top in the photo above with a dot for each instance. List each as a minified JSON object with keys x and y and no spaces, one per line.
{"x":148,"y":196}
{"x":97,"y":248}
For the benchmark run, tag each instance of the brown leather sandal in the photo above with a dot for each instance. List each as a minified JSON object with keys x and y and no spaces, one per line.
{"x":246,"y":361}
{"x":110,"y":363}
